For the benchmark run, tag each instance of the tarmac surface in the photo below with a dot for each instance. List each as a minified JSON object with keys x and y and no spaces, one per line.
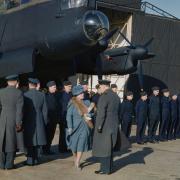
{"x":141,"y":162}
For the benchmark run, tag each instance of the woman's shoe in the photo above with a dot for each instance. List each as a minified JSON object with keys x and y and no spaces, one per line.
{"x":78,"y":167}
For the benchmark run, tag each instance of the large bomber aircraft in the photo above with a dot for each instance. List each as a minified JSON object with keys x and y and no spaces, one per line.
{"x":61,"y":38}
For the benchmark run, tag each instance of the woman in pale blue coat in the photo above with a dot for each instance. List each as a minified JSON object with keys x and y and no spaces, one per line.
{"x":78,"y":129}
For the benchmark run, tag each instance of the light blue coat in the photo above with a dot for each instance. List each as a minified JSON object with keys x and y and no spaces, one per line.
{"x":78,"y":141}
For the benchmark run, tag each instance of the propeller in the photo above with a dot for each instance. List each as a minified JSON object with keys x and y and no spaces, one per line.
{"x":148,"y":42}
{"x":103,"y":43}
{"x":135,"y":54}
{"x":127,"y":40}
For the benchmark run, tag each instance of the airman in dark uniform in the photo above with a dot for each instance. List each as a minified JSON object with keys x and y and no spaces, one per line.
{"x":35,"y":121}
{"x":96,"y":97}
{"x":178,"y":124}
{"x":53,"y":114}
{"x":84,"y":84}
{"x":65,"y":97}
{"x":141,"y":117}
{"x":154,"y":114}
{"x":126,"y":114}
{"x":114,"y":88}
{"x":106,"y":128}
{"x":174,"y":117}
{"x":11,"y":100}
{"x":165,"y":116}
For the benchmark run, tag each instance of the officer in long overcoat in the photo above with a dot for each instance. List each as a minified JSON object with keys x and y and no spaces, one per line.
{"x":106,"y":128}
{"x":35,"y":120}
{"x":11,"y":100}
{"x":154,"y":114}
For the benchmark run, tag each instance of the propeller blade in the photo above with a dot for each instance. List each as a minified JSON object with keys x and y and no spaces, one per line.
{"x":140,"y":75}
{"x":109,"y":35}
{"x":149,"y":42}
{"x":126,"y":39}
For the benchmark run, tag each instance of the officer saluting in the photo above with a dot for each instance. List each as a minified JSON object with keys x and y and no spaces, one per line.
{"x":35,"y":119}
{"x":11,"y":100}
{"x":154,"y":114}
{"x":106,"y":128}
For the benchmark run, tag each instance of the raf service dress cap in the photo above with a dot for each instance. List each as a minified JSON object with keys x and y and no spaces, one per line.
{"x":155,"y":88}
{"x":38,"y":81}
{"x":77,"y":90}
{"x":143,"y":93}
{"x":129,"y":93}
{"x":84,"y":83}
{"x":51,"y":83}
{"x":113,"y":86}
{"x":174,"y":94}
{"x":165,"y":90}
{"x":67,"y":83}
{"x":33,"y":80}
{"x":104,"y":82}
{"x":12,"y":77}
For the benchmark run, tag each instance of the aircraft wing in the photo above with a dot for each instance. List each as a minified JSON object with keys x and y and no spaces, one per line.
{"x":16,"y":62}
{"x":121,"y":51}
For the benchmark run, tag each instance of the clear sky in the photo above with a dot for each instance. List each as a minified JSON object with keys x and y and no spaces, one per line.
{"x":171,"y":6}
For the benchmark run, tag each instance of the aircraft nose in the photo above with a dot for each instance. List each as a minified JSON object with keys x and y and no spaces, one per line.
{"x":95,"y":25}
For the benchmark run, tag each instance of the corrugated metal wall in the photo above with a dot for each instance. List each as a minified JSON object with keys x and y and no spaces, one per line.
{"x":166,"y":45}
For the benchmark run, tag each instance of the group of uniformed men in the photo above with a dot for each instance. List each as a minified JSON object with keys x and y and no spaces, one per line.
{"x":28,"y":120}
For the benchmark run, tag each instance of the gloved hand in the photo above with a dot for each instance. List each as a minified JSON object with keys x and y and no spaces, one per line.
{"x":70,"y":130}
{"x":99,"y":129}
{"x":18,"y":128}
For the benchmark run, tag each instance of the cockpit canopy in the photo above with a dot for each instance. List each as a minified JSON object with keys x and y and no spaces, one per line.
{"x":68,"y":4}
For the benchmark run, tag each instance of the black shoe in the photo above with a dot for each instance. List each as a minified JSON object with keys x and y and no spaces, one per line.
{"x":48,"y":152}
{"x":162,"y":140}
{"x":101,"y":173}
{"x":28,"y":164}
{"x":10,"y":168}
{"x":152,"y":141}
{"x":141,"y":143}
{"x":64,"y":150}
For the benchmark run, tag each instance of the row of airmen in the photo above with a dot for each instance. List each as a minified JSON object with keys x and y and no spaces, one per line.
{"x":155,"y":111}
